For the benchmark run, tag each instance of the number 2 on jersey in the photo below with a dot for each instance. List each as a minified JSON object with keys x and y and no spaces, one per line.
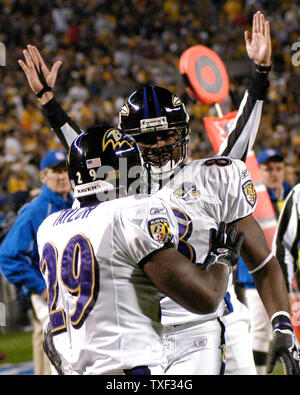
{"x":79,"y":275}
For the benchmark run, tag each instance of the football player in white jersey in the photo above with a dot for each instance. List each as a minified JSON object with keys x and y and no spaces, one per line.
{"x":202,"y":194}
{"x":237,"y":145}
{"x":107,"y":264}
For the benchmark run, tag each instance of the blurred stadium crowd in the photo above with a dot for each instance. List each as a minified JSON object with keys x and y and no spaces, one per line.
{"x":110,"y":48}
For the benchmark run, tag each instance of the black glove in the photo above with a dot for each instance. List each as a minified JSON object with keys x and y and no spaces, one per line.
{"x":226,"y":253}
{"x":283,"y":347}
{"x":50,"y":350}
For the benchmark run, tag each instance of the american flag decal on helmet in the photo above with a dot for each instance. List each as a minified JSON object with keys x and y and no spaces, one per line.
{"x":91,"y":163}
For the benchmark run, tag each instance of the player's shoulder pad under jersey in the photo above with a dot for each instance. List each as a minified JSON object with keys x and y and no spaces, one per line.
{"x":141,"y":207}
{"x":151,"y":215}
{"x":228,"y":164}
{"x":221,"y":161}
{"x":213,"y":162}
{"x":242,"y":177}
{"x":220,"y":165}
{"x":236,"y":174}
{"x":48,"y":221}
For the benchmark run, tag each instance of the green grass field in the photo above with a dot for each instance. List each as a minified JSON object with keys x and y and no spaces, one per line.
{"x":17,"y":347}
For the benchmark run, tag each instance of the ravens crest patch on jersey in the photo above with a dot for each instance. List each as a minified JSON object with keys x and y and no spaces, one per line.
{"x":250,"y":193}
{"x":159,"y":230}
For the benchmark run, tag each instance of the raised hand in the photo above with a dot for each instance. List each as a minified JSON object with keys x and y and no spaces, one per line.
{"x":258,"y":44}
{"x":36,"y":71}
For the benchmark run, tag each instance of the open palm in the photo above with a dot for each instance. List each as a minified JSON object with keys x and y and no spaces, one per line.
{"x":36,"y":71}
{"x":258,"y":44}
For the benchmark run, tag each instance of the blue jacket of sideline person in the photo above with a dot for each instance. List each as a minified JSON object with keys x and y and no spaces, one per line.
{"x":19,"y":258}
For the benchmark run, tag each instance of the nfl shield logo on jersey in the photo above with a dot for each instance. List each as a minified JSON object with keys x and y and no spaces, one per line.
{"x":200,"y":342}
{"x":250,"y":193}
{"x":159,"y":230}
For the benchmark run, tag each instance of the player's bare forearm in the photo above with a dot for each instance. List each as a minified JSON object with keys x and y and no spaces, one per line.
{"x":197,"y":290}
{"x":270,"y":284}
{"x":268,"y":277}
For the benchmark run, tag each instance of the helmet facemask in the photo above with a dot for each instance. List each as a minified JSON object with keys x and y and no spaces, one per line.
{"x":151,"y":115}
{"x":163,"y":151}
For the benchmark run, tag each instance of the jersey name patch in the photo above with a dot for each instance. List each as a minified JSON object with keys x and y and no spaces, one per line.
{"x":250,"y":193}
{"x":159,"y":230}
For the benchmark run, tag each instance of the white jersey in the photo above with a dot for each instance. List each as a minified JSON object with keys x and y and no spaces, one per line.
{"x":202,"y":195}
{"x":104,"y":310}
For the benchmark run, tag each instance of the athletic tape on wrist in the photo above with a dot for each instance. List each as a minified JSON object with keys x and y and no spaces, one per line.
{"x":261,"y":68}
{"x":43,"y":90}
{"x":285,"y":313}
{"x":261,"y":265}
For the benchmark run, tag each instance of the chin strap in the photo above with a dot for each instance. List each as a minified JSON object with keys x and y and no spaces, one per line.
{"x":155,"y":181}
